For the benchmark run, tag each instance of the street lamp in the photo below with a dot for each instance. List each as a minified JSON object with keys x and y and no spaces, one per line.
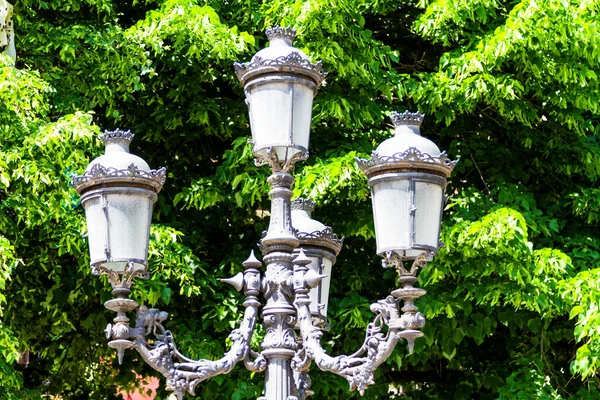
{"x":280,"y":83}
{"x":7,"y":30}
{"x":118,"y":190}
{"x":407,"y":175}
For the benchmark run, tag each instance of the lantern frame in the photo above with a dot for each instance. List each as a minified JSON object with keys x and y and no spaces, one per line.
{"x":414,"y":166}
{"x":274,"y":135}
{"x":105,"y":178}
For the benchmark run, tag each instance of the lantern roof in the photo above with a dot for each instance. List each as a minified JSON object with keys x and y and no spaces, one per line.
{"x":118,"y":166}
{"x":279,"y":57}
{"x":310,"y":231}
{"x":407,"y":150}
{"x":407,"y":129}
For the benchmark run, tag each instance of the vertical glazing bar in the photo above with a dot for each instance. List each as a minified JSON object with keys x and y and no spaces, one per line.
{"x":413,"y":212}
{"x":104,"y":203}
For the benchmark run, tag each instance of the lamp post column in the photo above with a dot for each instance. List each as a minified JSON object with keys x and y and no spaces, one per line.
{"x":279,"y":314}
{"x":280,"y":83}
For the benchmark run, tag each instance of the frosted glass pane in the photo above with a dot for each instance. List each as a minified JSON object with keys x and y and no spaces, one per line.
{"x":128,"y":223}
{"x":428,"y":202}
{"x":324,"y":286}
{"x":391,"y":213}
{"x":303,"y":99}
{"x":280,"y":116}
{"x":271,"y":114}
{"x":314,"y":292}
{"x":319,"y":296}
{"x":121,"y":233}
{"x":96,"y":222}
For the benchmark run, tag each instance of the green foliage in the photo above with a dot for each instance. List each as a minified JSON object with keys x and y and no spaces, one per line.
{"x":514,"y":61}
{"x":509,"y":87}
{"x":583,"y":289}
{"x":528,"y":384}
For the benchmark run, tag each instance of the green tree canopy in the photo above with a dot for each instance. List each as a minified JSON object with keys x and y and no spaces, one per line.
{"x":510,"y":88}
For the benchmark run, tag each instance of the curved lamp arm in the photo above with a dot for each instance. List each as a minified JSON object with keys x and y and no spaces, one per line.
{"x":182,"y":373}
{"x":161,"y":353}
{"x":359,"y":367}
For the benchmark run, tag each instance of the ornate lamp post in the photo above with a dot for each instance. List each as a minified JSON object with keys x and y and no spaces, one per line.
{"x":407,"y":174}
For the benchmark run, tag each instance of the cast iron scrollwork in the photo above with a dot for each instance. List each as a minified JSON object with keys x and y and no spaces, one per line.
{"x":410,"y":155}
{"x":121,"y":279}
{"x":98,"y":172}
{"x":382,"y":335}
{"x":161,"y":353}
{"x":182,"y":373}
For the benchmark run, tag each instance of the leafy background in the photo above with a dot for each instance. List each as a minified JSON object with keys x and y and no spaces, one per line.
{"x":509,"y":87}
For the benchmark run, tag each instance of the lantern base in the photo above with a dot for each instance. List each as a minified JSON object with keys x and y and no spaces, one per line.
{"x":118,"y":266}
{"x":280,"y":158}
{"x":121,"y":280}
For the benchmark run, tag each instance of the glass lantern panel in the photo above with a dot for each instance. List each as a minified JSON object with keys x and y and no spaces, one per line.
{"x":429,"y":198}
{"x":121,"y":234}
{"x":280,"y":115}
{"x":303,"y":101}
{"x":96,"y":226}
{"x":314,"y":293}
{"x":323,"y":288}
{"x":319,"y":296}
{"x":392,"y":199}
{"x":129,"y":218}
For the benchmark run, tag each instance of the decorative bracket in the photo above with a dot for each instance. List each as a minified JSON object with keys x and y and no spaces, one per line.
{"x":381,"y":337}
{"x":161,"y":353}
{"x":272,"y":160}
{"x":121,"y":279}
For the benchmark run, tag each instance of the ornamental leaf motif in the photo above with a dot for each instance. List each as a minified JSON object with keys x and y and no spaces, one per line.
{"x":291,"y":60}
{"x":326,"y":234}
{"x":410,"y":155}
{"x":98,"y":171}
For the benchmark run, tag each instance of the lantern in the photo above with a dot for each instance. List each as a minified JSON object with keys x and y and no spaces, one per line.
{"x":407,"y":175}
{"x":321,"y":246}
{"x":280,"y":83}
{"x":118,"y":190}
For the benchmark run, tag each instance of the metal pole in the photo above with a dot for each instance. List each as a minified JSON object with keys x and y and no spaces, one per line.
{"x":279,"y":314}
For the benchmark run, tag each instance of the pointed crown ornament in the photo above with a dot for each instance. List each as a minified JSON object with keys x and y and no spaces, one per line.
{"x":407,"y":118}
{"x":117,"y":136}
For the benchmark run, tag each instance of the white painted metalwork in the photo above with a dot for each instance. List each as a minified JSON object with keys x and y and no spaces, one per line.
{"x":407,"y":174}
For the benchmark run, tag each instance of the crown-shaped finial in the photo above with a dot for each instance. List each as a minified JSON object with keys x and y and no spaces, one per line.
{"x":277,"y":32}
{"x":407,"y":118}
{"x":303,"y":204}
{"x":117,"y":137}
